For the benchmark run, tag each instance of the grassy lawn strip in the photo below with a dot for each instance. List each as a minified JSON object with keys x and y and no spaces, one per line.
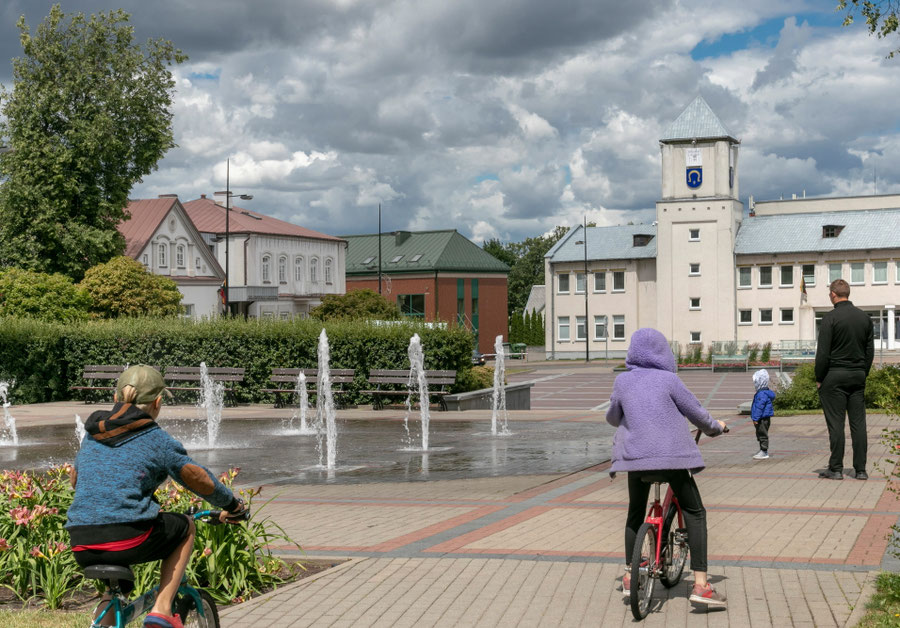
{"x":883,"y":610}
{"x":44,"y":619}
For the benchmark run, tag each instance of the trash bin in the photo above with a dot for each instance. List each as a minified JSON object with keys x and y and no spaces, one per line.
{"x":518,"y":348}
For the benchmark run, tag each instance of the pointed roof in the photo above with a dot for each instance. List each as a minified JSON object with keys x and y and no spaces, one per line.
{"x":696,"y":122}
{"x":209,"y":217}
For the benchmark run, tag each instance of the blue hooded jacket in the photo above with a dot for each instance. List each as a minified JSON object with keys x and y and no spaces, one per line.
{"x":762,"y":406}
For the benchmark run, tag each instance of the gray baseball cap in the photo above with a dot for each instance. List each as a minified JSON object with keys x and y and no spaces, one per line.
{"x":146,"y":380}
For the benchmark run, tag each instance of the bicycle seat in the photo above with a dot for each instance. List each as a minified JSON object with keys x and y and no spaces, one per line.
{"x":653,"y":478}
{"x":109,"y":572}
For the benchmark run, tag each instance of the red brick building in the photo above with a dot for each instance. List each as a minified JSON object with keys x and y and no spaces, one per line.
{"x":435,"y":276}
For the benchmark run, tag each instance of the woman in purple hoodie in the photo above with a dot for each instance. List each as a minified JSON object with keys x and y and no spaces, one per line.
{"x":648,"y":405}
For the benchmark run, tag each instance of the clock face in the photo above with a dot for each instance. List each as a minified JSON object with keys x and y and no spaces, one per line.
{"x":693,"y":157}
{"x":694,"y":177}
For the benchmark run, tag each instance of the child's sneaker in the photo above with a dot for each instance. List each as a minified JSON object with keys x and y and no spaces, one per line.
{"x":707,"y":595}
{"x":626,"y":583}
{"x":761,"y":455}
{"x":156,"y":620}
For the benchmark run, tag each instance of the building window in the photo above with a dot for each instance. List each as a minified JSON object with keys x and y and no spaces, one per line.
{"x":600,"y":327}
{"x":579,"y":283}
{"x":831,"y":231}
{"x":879,"y":272}
{"x":416,"y":257}
{"x":834,"y":272}
{"x":694,"y":235}
{"x":695,"y":303}
{"x":563,"y":283}
{"x":580,"y":331}
{"x":897,"y":273}
{"x":179,"y":256}
{"x":563,"y":326}
{"x":282,"y":269}
{"x":618,"y":281}
{"x":396,"y":258}
{"x":412,"y":305}
{"x":765,"y":316}
{"x":745,"y":317}
{"x":600,"y":281}
{"x":197,"y":263}
{"x":298,"y":270}
{"x":328,"y":278}
{"x":857,"y":273}
{"x":368,"y":260}
{"x":145,"y":259}
{"x":787,"y":316}
{"x":163,"y":255}
{"x":809,"y":275}
{"x":745,"y":274}
{"x":618,"y":328}
{"x":694,"y":269}
{"x":765,"y":276}
{"x":695,"y":338}
{"x":787,"y":276}
{"x":266,"y":268}
{"x":314,"y":270}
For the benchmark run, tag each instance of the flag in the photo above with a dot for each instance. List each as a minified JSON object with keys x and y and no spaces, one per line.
{"x":803,"y":295}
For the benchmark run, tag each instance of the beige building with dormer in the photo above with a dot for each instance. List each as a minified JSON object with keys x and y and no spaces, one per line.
{"x":705,"y":271}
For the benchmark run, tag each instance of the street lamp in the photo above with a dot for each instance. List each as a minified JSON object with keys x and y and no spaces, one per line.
{"x":587,"y":336}
{"x":245,"y":197}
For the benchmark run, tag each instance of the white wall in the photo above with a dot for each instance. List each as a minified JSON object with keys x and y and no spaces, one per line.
{"x":203,"y":298}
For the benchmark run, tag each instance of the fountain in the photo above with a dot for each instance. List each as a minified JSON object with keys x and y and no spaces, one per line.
{"x":8,"y":436}
{"x":498,"y":399}
{"x":302,"y":409}
{"x":326,"y":425}
{"x":212,"y":400}
{"x":79,"y":429}
{"x":417,"y":380}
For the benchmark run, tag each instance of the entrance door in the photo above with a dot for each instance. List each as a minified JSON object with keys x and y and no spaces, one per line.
{"x":879,"y":327}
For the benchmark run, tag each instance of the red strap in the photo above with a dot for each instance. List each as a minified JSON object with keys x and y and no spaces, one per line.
{"x":115,"y":546}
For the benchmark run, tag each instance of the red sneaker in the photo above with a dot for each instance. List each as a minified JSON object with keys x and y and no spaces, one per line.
{"x":707,"y":595}
{"x":626,"y":583}
{"x":157,"y":620}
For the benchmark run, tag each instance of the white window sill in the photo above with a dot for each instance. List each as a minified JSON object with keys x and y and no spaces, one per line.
{"x":787,"y":286}
{"x":599,"y":291}
{"x":618,"y":340}
{"x":879,"y":283}
{"x":786,"y":323}
{"x":765,"y":323}
{"x":694,"y":275}
{"x":694,"y":309}
{"x":745,"y":287}
{"x":563,"y":293}
{"x":578,"y":292}
{"x":619,"y":291}
{"x":562,"y":340}
{"x":600,"y":339}
{"x":857,"y":283}
{"x":746,"y":324}
{"x":762,"y":287}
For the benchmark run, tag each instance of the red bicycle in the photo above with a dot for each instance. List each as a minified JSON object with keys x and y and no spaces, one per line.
{"x":661,"y":549}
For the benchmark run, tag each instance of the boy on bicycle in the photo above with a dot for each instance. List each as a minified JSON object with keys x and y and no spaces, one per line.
{"x":648,"y":406}
{"x":123,"y":459}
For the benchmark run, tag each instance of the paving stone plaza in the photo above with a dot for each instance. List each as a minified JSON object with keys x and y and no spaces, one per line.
{"x":545,"y":549}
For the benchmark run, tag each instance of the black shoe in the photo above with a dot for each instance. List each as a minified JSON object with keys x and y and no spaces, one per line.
{"x":831,"y":475}
{"x":862,"y":475}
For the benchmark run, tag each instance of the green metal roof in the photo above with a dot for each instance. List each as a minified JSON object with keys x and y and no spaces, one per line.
{"x":418,"y":251}
{"x":696,"y":122}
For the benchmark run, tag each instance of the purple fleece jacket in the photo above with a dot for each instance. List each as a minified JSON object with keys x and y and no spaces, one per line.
{"x":649,"y":404}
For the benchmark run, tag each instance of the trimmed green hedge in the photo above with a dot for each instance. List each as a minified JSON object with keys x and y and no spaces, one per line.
{"x":802,"y":394}
{"x":46,"y":358}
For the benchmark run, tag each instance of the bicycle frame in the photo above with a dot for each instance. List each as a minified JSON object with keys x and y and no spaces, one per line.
{"x":656,"y":514}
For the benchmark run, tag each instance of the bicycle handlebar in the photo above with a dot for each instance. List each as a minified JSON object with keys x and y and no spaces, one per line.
{"x":212,"y":517}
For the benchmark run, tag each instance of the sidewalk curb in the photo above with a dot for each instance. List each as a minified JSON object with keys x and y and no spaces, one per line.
{"x":865,"y":594}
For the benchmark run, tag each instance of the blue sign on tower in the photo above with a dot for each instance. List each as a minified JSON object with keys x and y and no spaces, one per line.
{"x":694,"y":177}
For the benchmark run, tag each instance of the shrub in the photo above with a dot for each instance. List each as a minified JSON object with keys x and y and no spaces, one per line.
{"x":358,"y":304}
{"x":475,"y":378}
{"x":25,"y":293}
{"x":753,"y":352}
{"x":802,"y":393}
{"x":766,"y":352}
{"x":123,"y":287}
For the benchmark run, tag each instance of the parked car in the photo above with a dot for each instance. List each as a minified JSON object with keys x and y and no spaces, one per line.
{"x":477,"y":358}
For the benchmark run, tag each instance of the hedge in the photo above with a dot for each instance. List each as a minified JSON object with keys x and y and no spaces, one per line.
{"x":802,"y":394}
{"x":45,"y":359}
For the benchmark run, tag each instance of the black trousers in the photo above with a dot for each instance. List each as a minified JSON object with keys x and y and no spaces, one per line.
{"x":762,"y":432}
{"x":688,"y":495}
{"x":843,"y":395}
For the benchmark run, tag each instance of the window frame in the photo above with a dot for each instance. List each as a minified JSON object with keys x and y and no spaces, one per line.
{"x":329,"y":279}
{"x":781,"y":272}
{"x":282,"y":269}
{"x":781,"y":320}
{"x":749,"y":284}
{"x":771,"y":316}
{"x":618,"y":274}
{"x":602,"y":276}
{"x":409,"y":297}
{"x":163,"y":255}
{"x":559,"y":282}
{"x":749,"y":314}
{"x":618,"y":319}
{"x":179,"y":256}
{"x":862,"y":270}
{"x":760,"y":277}
{"x":605,"y":325}
{"x":691,"y":236}
{"x":691,"y":271}
{"x":580,"y":327}
{"x":840,"y":269}
{"x":314,"y":270}
{"x":265,"y":268}
{"x":583,"y":283}
{"x":691,"y":305}
{"x":298,"y":269}
{"x":560,"y":324}
{"x":803,"y":275}
{"x":698,"y":340}
{"x":875,"y":280}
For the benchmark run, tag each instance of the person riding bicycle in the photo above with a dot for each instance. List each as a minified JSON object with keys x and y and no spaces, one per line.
{"x":648,"y":405}
{"x":124,"y":457}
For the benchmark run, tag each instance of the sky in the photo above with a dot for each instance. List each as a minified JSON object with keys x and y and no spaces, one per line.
{"x":503,"y":118}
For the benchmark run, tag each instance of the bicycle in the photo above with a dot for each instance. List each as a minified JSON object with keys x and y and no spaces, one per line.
{"x":196,"y":608}
{"x":660,"y":552}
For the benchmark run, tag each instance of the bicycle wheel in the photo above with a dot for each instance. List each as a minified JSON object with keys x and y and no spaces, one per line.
{"x":675,"y":551}
{"x":186,"y":607}
{"x":643,"y":566}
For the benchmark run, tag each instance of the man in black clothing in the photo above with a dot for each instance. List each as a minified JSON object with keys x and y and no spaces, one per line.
{"x":844,"y":356}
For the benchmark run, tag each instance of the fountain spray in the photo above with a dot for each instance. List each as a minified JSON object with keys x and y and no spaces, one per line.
{"x":11,"y":437}
{"x":498,"y":399}
{"x":326,"y":425}
{"x":417,"y":380}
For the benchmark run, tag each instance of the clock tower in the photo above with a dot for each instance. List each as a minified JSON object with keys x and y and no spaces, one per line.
{"x":697,"y":220}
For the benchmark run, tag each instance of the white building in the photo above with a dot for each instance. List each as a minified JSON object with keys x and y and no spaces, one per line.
{"x":705,"y":272}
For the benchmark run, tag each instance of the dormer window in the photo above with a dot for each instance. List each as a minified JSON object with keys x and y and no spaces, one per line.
{"x":832,"y":231}
{"x":642,"y":239}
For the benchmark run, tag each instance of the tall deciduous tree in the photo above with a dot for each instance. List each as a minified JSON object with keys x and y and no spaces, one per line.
{"x":882,"y":16}
{"x":87,"y":117}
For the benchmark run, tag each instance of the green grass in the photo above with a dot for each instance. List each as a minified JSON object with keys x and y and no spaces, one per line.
{"x":44,"y":619}
{"x":883,"y":610}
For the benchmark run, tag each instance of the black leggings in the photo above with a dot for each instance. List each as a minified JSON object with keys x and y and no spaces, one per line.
{"x":688,"y":495}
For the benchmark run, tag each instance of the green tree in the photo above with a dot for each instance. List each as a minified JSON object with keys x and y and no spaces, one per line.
{"x":358,"y":304}
{"x":501,"y":251}
{"x":528,"y":268}
{"x":882,"y":16}
{"x":87,"y":117}
{"x":123,"y":287}
{"x":29,"y":294}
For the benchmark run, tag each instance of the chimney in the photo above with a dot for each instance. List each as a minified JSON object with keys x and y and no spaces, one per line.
{"x":203,"y":196}
{"x":400,"y":237}
{"x":220,"y":197}
{"x":168,"y":196}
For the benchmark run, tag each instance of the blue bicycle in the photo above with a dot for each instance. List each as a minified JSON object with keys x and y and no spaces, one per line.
{"x":196,"y":608}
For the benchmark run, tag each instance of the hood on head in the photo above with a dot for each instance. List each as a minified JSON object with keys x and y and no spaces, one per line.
{"x":761,"y":379}
{"x":649,"y":349}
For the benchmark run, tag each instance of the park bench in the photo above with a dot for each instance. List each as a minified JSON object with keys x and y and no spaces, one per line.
{"x":796,"y":352}
{"x":284,"y":383}
{"x":177,"y":378}
{"x":731,"y":353}
{"x":394,"y":383}
{"x":98,"y":377}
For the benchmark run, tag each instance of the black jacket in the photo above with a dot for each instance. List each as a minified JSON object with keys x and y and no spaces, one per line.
{"x":846,"y":340}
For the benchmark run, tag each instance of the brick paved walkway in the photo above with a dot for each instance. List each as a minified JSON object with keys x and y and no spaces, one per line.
{"x":786,"y":548}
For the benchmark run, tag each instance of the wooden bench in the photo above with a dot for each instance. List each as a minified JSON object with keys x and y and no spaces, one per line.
{"x":96,"y":376}
{"x":285,"y":383}
{"x":394,"y":383}
{"x":730,"y":352}
{"x":191,"y":374}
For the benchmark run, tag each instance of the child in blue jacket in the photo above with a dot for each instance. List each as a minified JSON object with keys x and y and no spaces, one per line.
{"x":761,"y":412}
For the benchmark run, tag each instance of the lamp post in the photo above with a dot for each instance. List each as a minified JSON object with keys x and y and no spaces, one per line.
{"x":587,"y":335}
{"x":245,"y":197}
